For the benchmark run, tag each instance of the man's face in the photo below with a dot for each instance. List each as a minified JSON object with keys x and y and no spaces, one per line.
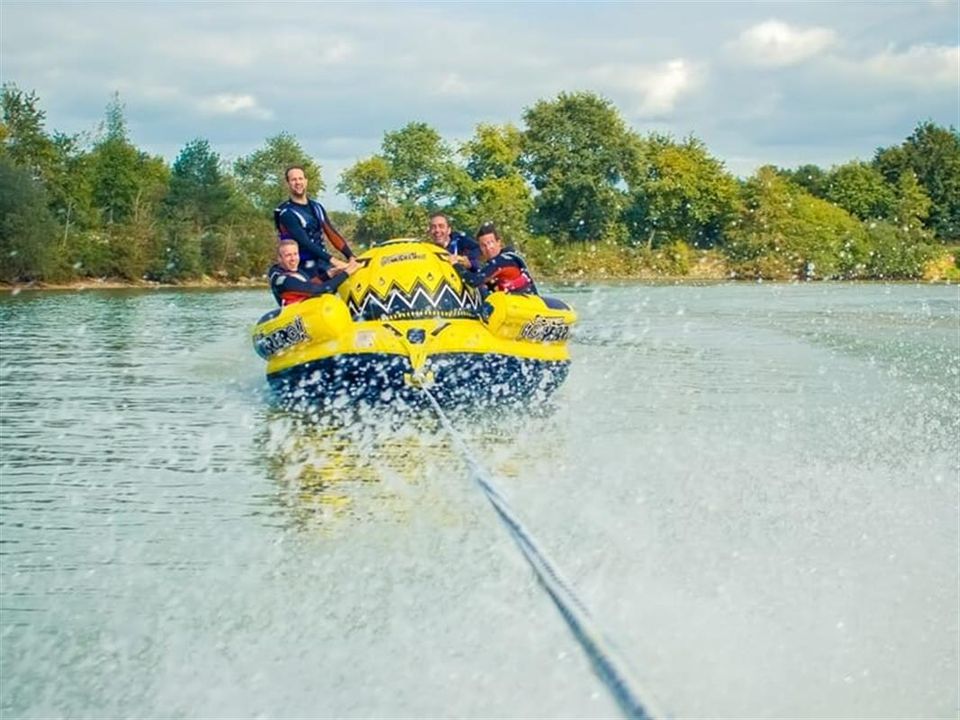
{"x":289,"y":256}
{"x":440,"y":231}
{"x":297,"y":182}
{"x":490,"y":245}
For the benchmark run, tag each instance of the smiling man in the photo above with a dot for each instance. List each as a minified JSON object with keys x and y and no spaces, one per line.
{"x":504,"y":270}
{"x":303,"y":219}
{"x":290,"y":284}
{"x":461,"y":246}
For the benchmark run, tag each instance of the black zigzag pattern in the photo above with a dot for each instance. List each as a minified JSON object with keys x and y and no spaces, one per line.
{"x":418,"y":302}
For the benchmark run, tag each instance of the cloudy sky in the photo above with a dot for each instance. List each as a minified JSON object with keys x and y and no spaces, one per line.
{"x":759,"y":82}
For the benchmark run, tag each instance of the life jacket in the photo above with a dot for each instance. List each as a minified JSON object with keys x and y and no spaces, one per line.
{"x":290,"y":297}
{"x":282,"y":295}
{"x":324,"y":228}
{"x":313,"y":207}
{"x":513,"y":278}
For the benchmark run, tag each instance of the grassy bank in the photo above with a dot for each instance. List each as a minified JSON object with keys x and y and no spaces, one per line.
{"x":680,"y":262}
{"x":553,"y":263}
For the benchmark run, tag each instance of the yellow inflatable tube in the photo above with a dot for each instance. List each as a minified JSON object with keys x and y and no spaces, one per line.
{"x":406,"y":320}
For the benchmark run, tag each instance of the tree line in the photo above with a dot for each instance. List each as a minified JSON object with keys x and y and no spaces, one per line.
{"x":574,"y":179}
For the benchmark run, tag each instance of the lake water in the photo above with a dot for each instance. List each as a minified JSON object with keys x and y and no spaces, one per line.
{"x":753,"y":488}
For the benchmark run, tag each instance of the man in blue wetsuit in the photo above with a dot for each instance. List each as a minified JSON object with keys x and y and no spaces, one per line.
{"x":290,"y":283}
{"x":302,"y":219}
{"x":503,"y":270}
{"x":461,"y":246}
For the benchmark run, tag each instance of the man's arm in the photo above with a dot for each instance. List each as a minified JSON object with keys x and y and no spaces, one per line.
{"x":472,"y":251}
{"x":289,"y":283}
{"x":333,"y":235}
{"x":481,"y":276}
{"x":336,"y":239}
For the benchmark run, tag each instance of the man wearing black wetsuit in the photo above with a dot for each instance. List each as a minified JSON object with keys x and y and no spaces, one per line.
{"x":290,"y":283}
{"x":504,"y":269}
{"x":303,"y":219}
{"x":460,"y":245}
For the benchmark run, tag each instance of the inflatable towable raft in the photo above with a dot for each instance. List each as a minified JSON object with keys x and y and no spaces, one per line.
{"x":406,"y":321}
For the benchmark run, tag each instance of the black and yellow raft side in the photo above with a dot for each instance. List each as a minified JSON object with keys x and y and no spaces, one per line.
{"x":405,"y":320}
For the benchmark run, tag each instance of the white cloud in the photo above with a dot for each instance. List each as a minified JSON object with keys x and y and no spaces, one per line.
{"x":231,"y":104}
{"x":774,"y":43}
{"x":922,"y":66}
{"x":656,"y":88}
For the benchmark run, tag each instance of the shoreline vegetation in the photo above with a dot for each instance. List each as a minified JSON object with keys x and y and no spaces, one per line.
{"x":582,"y":195}
{"x":583,"y":266}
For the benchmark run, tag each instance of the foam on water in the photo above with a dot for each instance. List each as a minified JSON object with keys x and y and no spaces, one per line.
{"x":753,"y":488}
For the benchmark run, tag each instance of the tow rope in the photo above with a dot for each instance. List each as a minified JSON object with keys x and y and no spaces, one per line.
{"x":602,"y":657}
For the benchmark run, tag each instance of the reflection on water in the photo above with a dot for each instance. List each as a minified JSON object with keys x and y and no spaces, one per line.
{"x":326,"y":471}
{"x":370,"y":466}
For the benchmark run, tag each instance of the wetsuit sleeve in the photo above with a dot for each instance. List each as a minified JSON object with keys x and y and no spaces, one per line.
{"x":309,"y":250}
{"x":331,"y":285}
{"x":275,"y":288}
{"x":472,"y":251}
{"x":335,"y":238}
{"x":280,"y":283}
{"x":481,"y":276}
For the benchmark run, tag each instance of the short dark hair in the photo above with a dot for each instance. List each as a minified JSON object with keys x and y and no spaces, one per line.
{"x":488,"y":228}
{"x":286,"y":173}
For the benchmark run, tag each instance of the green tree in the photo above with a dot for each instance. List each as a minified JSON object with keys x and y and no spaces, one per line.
{"x":861,"y":190}
{"x":911,"y":206}
{"x":243,"y":241}
{"x":27,"y":230}
{"x":784,"y":231}
{"x":495,"y":188}
{"x":24,"y":139}
{"x":70,"y":186}
{"x":127,"y":183}
{"x":576,"y":153}
{"x":128,"y":187}
{"x":811,"y":178}
{"x":395,"y":191}
{"x":369,"y":187}
{"x":197,"y":202}
{"x":58,"y":161}
{"x":680,"y":192}
{"x":199,"y":192}
{"x":493,"y":152}
{"x":115,"y":168}
{"x":422,"y":170}
{"x":932,"y":153}
{"x":260,"y":175}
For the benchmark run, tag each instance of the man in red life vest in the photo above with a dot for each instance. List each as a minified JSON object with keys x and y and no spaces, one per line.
{"x":290,"y":284}
{"x":503,"y":269}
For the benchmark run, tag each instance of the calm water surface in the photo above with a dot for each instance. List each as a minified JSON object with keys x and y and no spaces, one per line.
{"x":754,"y":488}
